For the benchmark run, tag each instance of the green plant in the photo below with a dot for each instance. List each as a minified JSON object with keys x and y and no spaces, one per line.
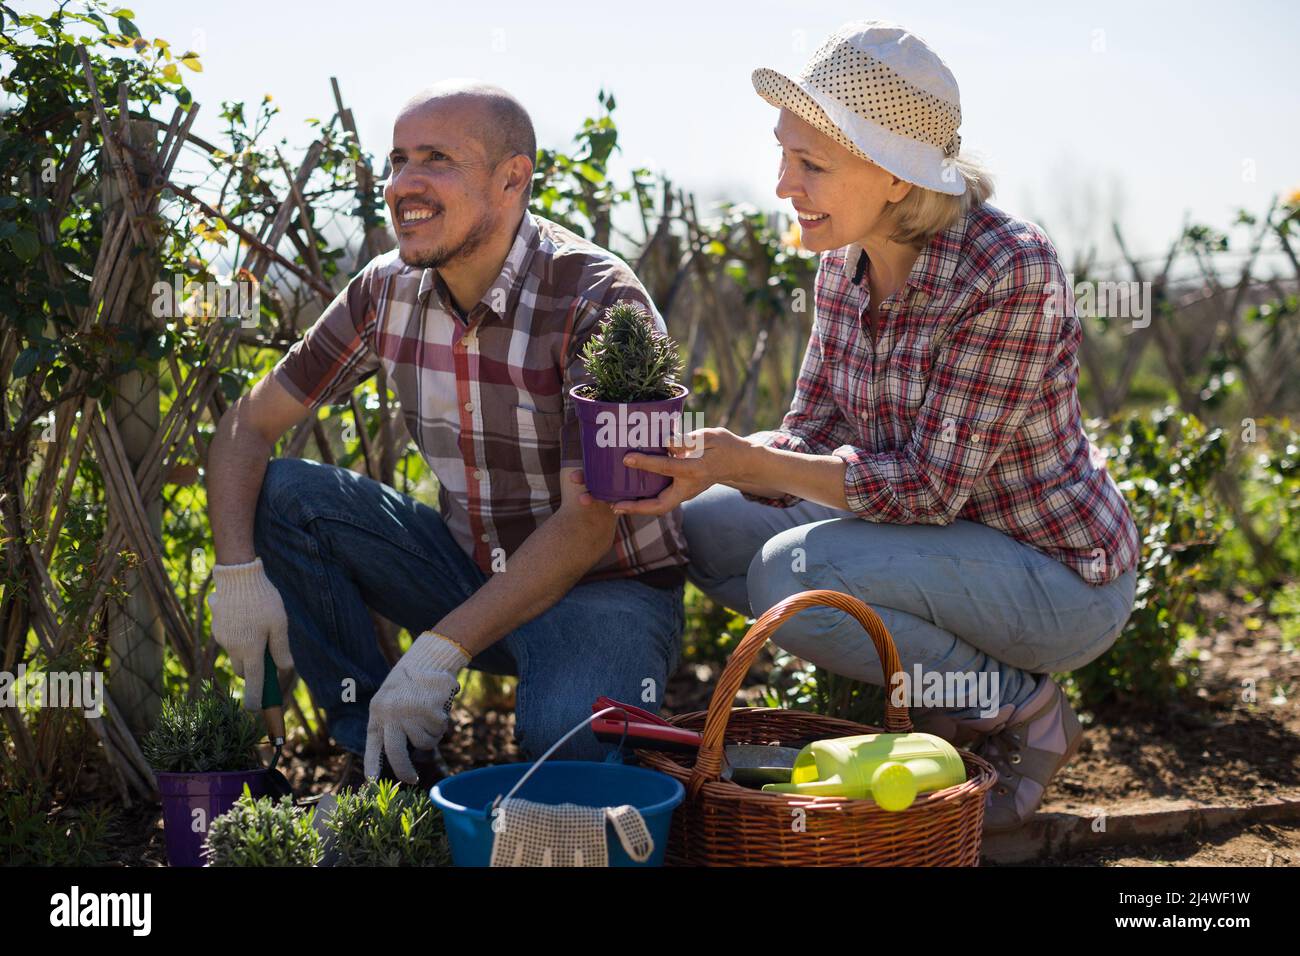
{"x":799,"y":685}
{"x":1165,"y":464}
{"x":263,"y":832}
{"x":383,"y":825}
{"x":629,"y":359}
{"x":29,"y":836}
{"x":211,"y":732}
{"x":712,"y":631}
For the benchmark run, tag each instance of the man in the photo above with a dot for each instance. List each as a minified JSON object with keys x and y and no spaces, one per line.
{"x":478,"y":317}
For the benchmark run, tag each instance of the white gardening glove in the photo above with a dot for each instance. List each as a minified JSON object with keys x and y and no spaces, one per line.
{"x":247,"y":615}
{"x":413,"y":703}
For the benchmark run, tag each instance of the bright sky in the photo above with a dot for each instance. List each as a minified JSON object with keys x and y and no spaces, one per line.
{"x":1140,"y":110}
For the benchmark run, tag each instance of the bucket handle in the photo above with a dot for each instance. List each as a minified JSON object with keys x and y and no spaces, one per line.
{"x":554,"y":747}
{"x":626,"y":820}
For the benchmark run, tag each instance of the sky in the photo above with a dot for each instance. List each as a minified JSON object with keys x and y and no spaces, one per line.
{"x":1145,"y":112}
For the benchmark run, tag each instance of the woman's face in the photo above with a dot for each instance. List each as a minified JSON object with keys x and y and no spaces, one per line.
{"x":838,"y":196}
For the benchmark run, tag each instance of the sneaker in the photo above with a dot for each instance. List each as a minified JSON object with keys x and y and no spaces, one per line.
{"x":1041,"y":737}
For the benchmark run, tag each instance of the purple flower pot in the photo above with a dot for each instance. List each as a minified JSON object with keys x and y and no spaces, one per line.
{"x":612,"y":429}
{"x":191,"y":801}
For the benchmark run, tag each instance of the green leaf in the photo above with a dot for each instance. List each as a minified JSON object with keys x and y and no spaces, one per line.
{"x":25,"y":362}
{"x":25,"y":245}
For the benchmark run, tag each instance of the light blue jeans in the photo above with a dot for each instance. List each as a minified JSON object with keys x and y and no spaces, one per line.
{"x":336,"y":544}
{"x":957,"y":599}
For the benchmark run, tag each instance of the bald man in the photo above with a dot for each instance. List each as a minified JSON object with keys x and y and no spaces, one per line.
{"x":478,"y":317}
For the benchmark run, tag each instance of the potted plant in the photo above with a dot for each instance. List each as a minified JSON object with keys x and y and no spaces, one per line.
{"x":381,"y":824}
{"x":632,"y":403}
{"x":260,"y":831}
{"x":204,"y":753}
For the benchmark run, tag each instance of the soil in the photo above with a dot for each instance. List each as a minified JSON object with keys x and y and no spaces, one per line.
{"x":1219,"y":745}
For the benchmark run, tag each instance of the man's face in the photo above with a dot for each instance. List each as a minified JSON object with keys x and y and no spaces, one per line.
{"x":440,"y":194}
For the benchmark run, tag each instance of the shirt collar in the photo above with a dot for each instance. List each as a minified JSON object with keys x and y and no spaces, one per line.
{"x":503,"y":290}
{"x":933,"y":268}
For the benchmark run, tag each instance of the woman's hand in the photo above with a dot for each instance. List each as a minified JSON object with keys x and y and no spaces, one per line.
{"x":704,"y":457}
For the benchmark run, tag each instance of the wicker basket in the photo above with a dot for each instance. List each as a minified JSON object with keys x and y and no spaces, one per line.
{"x":724,"y":824}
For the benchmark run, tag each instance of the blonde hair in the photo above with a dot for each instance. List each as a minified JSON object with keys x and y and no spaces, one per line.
{"x":922,"y":213}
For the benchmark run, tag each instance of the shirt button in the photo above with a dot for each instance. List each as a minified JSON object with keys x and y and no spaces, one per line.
{"x":478,"y":475}
{"x":866,"y":415}
{"x":975,"y":436}
{"x":484,"y":538}
{"x":469,"y":406}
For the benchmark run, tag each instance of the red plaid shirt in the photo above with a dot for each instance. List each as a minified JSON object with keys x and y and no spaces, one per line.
{"x":486,"y":398}
{"x":966,"y":406}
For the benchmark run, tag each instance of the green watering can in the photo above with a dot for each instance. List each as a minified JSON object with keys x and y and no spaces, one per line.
{"x":888,"y":768}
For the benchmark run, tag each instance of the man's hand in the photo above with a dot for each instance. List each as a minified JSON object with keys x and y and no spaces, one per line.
{"x":412,"y":704}
{"x":247,"y":616}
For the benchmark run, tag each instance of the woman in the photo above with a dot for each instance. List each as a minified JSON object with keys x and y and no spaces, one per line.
{"x":933,"y":462}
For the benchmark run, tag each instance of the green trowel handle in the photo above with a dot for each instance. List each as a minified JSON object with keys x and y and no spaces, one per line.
{"x":272,"y":700}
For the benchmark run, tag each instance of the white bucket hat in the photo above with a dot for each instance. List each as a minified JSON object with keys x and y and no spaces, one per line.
{"x":879,"y":91}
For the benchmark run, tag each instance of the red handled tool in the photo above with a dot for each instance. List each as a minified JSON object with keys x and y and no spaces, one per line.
{"x":748,"y":764}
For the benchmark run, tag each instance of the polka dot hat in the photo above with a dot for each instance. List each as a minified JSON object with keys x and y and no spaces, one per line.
{"x":880,"y":92}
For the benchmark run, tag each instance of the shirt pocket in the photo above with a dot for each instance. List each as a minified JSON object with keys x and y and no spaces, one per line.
{"x":903,"y":386}
{"x":539,"y":449}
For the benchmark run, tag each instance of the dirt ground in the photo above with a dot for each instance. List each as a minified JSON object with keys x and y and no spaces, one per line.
{"x":1215,"y":748}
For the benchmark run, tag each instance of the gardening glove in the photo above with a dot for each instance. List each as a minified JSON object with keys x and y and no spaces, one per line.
{"x":247,"y":614}
{"x":413,"y":704}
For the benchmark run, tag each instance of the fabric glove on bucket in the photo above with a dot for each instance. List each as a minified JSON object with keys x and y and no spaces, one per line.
{"x":413,"y":704}
{"x":247,"y":616}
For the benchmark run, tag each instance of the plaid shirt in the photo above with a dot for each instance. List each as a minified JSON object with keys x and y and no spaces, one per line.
{"x":487,"y":398}
{"x":966,"y":405}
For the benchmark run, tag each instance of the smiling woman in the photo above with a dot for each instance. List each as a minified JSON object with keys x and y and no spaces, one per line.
{"x":933,"y":462}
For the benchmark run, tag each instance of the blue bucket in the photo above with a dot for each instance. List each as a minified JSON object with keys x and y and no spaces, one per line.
{"x":466,"y":800}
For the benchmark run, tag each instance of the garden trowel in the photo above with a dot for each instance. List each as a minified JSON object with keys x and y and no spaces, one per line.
{"x":277,"y":784}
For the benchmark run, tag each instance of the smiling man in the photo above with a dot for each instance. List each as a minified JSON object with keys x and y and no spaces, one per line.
{"x":478,"y":318}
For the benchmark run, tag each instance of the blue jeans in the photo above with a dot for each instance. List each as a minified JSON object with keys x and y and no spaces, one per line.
{"x":336,"y":543}
{"x":957,"y":599}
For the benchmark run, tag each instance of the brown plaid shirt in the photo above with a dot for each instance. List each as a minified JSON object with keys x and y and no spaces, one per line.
{"x":487,"y":398}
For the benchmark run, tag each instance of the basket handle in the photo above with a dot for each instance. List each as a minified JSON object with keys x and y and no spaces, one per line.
{"x":708,"y":765}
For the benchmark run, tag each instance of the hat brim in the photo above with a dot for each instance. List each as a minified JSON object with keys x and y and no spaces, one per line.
{"x":909,"y":160}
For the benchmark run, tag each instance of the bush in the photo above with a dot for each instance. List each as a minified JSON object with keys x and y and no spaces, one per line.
{"x":212,"y":732}
{"x":263,"y":832}
{"x":1165,"y":464}
{"x":383,"y":825}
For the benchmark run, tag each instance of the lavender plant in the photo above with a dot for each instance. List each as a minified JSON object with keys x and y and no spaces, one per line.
{"x":212,"y":732}
{"x":263,"y":832}
{"x":630,"y":360}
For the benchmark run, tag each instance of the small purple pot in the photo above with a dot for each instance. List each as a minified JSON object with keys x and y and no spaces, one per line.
{"x":612,"y":429}
{"x":212,"y":794}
